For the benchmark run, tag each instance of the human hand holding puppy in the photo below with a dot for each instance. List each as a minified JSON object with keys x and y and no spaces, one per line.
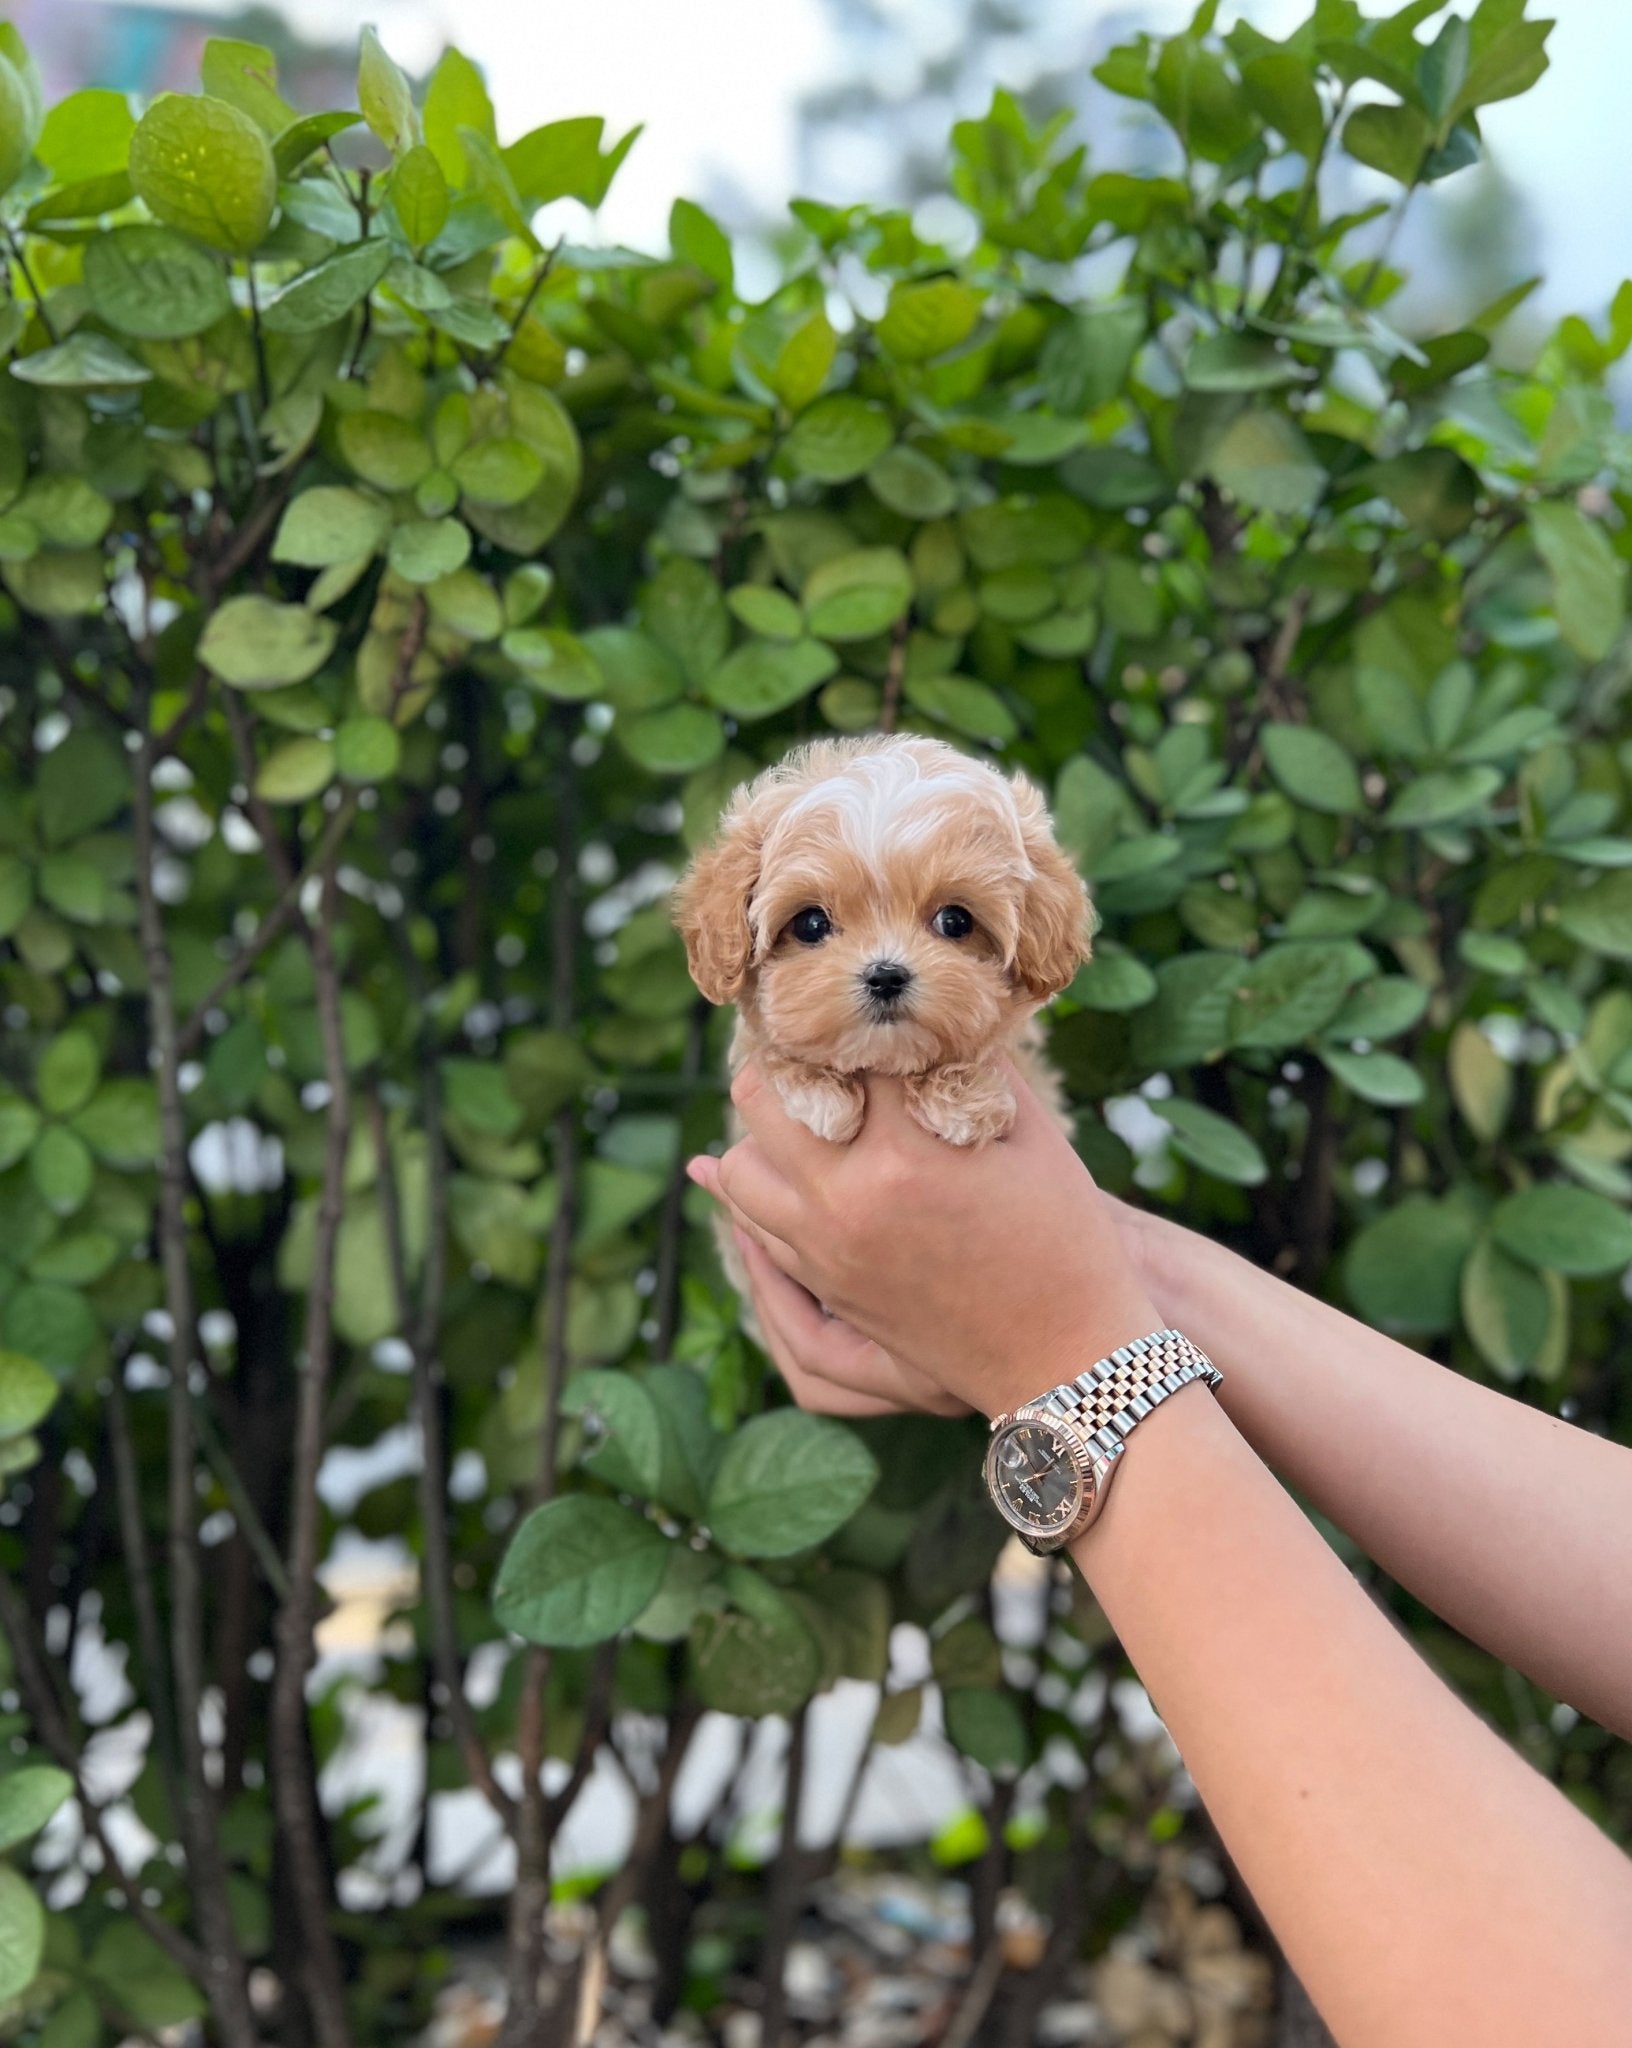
{"x":930,"y":1259}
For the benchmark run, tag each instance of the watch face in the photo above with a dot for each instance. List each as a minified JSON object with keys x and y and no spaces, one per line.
{"x":1035,"y":1479}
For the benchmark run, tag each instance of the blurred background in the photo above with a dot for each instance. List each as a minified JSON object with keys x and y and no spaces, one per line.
{"x":747,"y":103}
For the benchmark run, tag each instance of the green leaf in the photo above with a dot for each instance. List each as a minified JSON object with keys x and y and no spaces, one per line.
{"x":803,"y":361}
{"x":295,"y":771}
{"x":73,"y":886}
{"x":1282,"y":92}
{"x":924,"y":320}
{"x":910,"y":482}
{"x":1196,"y":95}
{"x":1190,"y":1019}
{"x":426,"y":550}
{"x":1509,"y":64}
{"x":1312,"y":768}
{"x":1212,"y":1142}
{"x":967,"y":1655}
{"x":636,"y":674}
{"x":765,"y":610}
{"x":120,"y":1123}
{"x":1404,"y":1271}
{"x":16,"y":895}
{"x":986,"y":1725}
{"x":28,"y":1798}
{"x":86,"y":361}
{"x":1588,"y":577}
{"x":22,"y":1920}
{"x":1114,"y":979}
{"x":1481,"y":1081}
{"x":1517,"y":1317}
{"x":367,"y":749}
{"x":28,"y":1393}
{"x":384,"y":449}
{"x":623,"y":1430}
{"x":254,"y":643}
{"x":766,"y":676}
{"x":1289,"y":993}
{"x":698,"y":239}
{"x":1264,"y":460}
{"x":757,"y":1657}
{"x":20,"y":115}
{"x":560,"y":160}
{"x":1085,"y":361}
{"x":1564,"y":1230}
{"x":1228,"y":361}
{"x":383,"y":95}
{"x":81,"y":784}
{"x":837,"y":438}
{"x":787,"y":1481}
{"x":246,"y":76}
{"x":456,"y":98}
{"x":75,"y":2023}
{"x":1393,"y":140}
{"x":204,"y":167}
{"x":154,"y":284}
{"x":329,"y":290}
{"x":419,"y":194}
{"x":1437,"y":798}
{"x":139,"y":1980}
{"x":553,"y":662}
{"x":303,"y":138}
{"x":685,"y":614}
{"x":61,"y":1169}
{"x":327,"y":524}
{"x":856,"y":595}
{"x":973,"y":709}
{"x":87,"y":135}
{"x":69,"y":1070}
{"x":1380,"y":1077}
{"x":578,"y":1570}
{"x":1600,"y":915}
{"x":674,"y":741}
{"x":19,"y":1122}
{"x":501,"y":471}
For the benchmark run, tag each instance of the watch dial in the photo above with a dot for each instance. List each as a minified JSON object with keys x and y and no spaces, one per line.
{"x":1036,"y":1478}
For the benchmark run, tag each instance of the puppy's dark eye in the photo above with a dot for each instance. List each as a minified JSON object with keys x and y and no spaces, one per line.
{"x":810,"y":927}
{"x":952,"y":921}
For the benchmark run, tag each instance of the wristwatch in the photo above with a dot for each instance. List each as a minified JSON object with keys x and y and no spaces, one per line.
{"x":1049,"y":1463}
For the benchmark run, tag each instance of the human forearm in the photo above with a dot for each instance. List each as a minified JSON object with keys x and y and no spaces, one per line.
{"x":1392,"y":1840}
{"x":1512,"y":1525}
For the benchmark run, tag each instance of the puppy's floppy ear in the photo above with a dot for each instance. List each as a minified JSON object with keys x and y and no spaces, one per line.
{"x":711,"y":907}
{"x":1056,"y":919}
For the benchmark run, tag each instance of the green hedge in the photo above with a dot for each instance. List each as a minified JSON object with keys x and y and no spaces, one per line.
{"x":394,"y":598}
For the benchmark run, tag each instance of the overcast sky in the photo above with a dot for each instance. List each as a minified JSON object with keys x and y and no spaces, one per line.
{"x":717,"y":82}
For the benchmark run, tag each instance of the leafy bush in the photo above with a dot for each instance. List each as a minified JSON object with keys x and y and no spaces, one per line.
{"x":394,"y":598}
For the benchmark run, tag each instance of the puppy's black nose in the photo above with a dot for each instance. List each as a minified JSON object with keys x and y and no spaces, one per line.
{"x":886,"y":981}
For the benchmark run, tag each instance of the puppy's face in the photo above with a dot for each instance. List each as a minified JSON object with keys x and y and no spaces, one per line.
{"x":885,"y":905}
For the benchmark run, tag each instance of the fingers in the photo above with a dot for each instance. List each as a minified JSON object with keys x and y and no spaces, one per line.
{"x":822,"y":1357}
{"x":711,"y":1175}
{"x":785,"y":1142}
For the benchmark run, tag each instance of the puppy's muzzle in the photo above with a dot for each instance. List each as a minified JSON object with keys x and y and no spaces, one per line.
{"x":885,"y":983}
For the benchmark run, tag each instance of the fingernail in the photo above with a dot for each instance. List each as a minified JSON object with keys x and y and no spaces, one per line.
{"x":694,"y":1172}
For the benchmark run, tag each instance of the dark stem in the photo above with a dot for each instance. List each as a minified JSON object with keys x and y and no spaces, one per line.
{"x":419,"y":1332}
{"x":196,"y":1818}
{"x":787,"y":1887}
{"x":294,"y":1789}
{"x":139,"y":1564}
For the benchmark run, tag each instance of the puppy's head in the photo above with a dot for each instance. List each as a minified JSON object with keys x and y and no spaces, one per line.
{"x":883,"y":904}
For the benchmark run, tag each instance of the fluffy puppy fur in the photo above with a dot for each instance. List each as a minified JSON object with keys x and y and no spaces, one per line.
{"x":886,"y":906}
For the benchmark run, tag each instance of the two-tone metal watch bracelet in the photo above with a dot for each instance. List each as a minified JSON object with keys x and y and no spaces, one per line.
{"x":1114,"y":1395}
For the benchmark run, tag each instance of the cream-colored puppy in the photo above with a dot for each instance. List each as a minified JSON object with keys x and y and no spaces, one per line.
{"x":886,"y":906}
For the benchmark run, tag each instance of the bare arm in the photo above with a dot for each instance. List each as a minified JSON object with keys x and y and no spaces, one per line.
{"x":1393,"y":1840}
{"x":1512,"y":1525}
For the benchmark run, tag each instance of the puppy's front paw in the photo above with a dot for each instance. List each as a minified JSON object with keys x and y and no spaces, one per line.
{"x":830,"y":1105}
{"x":963,"y":1105}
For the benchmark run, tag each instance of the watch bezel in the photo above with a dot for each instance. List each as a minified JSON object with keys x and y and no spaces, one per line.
{"x":1088,"y":1464}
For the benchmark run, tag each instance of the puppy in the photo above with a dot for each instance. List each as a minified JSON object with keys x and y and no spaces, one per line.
{"x":887,"y":906}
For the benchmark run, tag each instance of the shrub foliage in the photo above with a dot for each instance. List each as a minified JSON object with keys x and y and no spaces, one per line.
{"x":393,"y":597}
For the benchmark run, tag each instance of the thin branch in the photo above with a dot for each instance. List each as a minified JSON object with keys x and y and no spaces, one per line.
{"x":255,"y":1531}
{"x":197,"y":1817}
{"x":33,"y":1682}
{"x":139,"y":1565}
{"x":485,"y":365}
{"x":786,"y":1888}
{"x":277,"y":920}
{"x":261,"y":817}
{"x":295,"y":1795}
{"x":21,"y":261}
{"x":889,"y":709}
{"x":419,"y":1333}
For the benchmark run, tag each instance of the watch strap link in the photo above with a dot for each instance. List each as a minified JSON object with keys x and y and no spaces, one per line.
{"x":1108,"y":1401}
